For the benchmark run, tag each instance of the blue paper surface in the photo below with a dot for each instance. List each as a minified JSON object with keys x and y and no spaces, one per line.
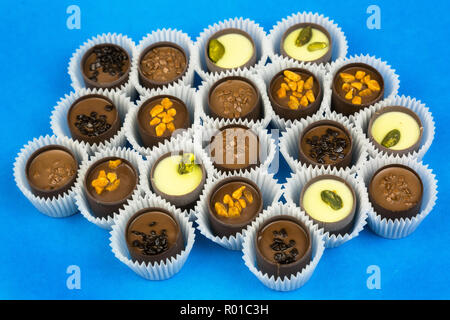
{"x":35,"y":250}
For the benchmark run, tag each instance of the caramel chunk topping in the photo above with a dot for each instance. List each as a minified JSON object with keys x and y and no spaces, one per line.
{"x":295,"y":86}
{"x":236,"y":202}
{"x":358,"y":85}
{"x":107,"y":181}
{"x":163,"y":116}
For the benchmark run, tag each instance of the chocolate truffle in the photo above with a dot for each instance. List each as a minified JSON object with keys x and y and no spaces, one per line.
{"x":153,"y":235}
{"x":234,"y":97}
{"x":93,"y":119}
{"x":162,"y":63}
{"x":295,"y":93}
{"x":330,"y":202}
{"x":395,"y":130}
{"x":159,"y":117}
{"x":307,"y":42}
{"x":105,"y":65}
{"x":283,"y":246}
{"x":235,"y":147}
{"x":179,"y":178}
{"x":355,"y":87}
{"x":51,"y":171}
{"x":233,"y":204}
{"x":395,"y":192}
{"x":326,"y":142}
{"x":229,"y":49}
{"x":108,"y":184}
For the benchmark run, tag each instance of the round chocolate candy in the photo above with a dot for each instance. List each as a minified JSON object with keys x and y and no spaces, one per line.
{"x":330,"y":202}
{"x":93,"y":119}
{"x":108,"y":184}
{"x":395,"y":130}
{"x":355,"y":87}
{"x":233,"y":203}
{"x":160,"y":117}
{"x":283,"y":246}
{"x":153,"y":235}
{"x":51,"y":171}
{"x":326,"y":143}
{"x":105,"y":65}
{"x":162,"y":63}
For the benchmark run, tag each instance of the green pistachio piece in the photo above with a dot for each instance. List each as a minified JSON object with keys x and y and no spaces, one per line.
{"x":187,"y":163}
{"x":216,"y":50}
{"x":304,"y":36}
{"x":391,"y":138}
{"x":317,"y":46}
{"x":332,"y":199}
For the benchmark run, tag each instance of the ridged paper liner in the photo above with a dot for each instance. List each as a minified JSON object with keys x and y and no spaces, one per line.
{"x":400,"y":228}
{"x":80,"y":198}
{"x":270,"y":191}
{"x":117,"y":39}
{"x":57,"y":207}
{"x":300,"y":278}
{"x":362,"y":120}
{"x":279,"y":63}
{"x":267,"y":146}
{"x":184,"y":93}
{"x":202,"y":104}
{"x":180,"y":143}
{"x":290,"y":139}
{"x":338,"y":38}
{"x":294,"y":185}
{"x":390,"y":78}
{"x":60,"y":127}
{"x":167,"y":35}
{"x":159,"y":270}
{"x":263,"y":50}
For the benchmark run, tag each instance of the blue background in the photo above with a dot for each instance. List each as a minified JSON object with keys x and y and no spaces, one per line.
{"x":35,"y":250}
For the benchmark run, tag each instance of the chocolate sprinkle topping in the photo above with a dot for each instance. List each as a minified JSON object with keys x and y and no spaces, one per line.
{"x":110,"y":59}
{"x":284,"y":254}
{"x":152,"y":243}
{"x":329,"y":145}
{"x":92,"y":125}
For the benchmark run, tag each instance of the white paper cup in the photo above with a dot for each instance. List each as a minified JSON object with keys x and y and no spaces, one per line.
{"x":57,"y":207}
{"x":184,"y":93}
{"x":80,"y":194}
{"x":60,"y":126}
{"x":278,"y":64}
{"x":270,"y":191}
{"x":165,"y":35}
{"x":363,"y":117}
{"x":400,"y":228}
{"x":300,"y":278}
{"x":338,"y":38}
{"x":180,"y":143}
{"x":390,"y":78}
{"x":267,"y":146}
{"x":295,"y":184}
{"x":257,"y":33}
{"x":202,"y":95}
{"x":290,"y":139}
{"x":157,"y":271}
{"x":74,"y":69}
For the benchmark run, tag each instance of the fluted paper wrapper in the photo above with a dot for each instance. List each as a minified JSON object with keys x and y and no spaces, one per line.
{"x":202,"y":104}
{"x":390,"y":78}
{"x":362,"y":120}
{"x":60,"y":126}
{"x":295,"y":184}
{"x":180,"y":143}
{"x":338,"y":38}
{"x":165,"y":35}
{"x":278,"y":63}
{"x":300,"y":278}
{"x":80,"y":193}
{"x":267,"y":146}
{"x":400,"y":228}
{"x":74,"y":69}
{"x":263,"y":50}
{"x":159,"y":270}
{"x":184,"y":93}
{"x":270,"y":191}
{"x":62,"y":205}
{"x":290,"y":139}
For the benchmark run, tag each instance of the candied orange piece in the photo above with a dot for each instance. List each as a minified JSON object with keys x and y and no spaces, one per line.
{"x":297,"y":94}
{"x":114,"y":163}
{"x":349,"y":95}
{"x":292,"y":75}
{"x":242,"y":203}
{"x":356,"y":100}
{"x":233,"y":212}
{"x":238,"y":205}
{"x":160,"y":128}
{"x":100,"y":182}
{"x":281,"y":93}
{"x":285,"y":86}
{"x":220,"y":209}
{"x":171,"y":127}
{"x":166,"y":103}
{"x":374,"y":85}
{"x":156,"y":110}
{"x":357,"y":85}
{"x":365,"y":92}
{"x":310,"y":96}
{"x":248,"y":195}
{"x":238,"y":192}
{"x":112,"y":176}
{"x":172,"y":112}
{"x":347,"y":77}
{"x":304,"y":101}
{"x":346,"y":87}
{"x":309,"y":83}
{"x":113,"y":186}
{"x":155,"y":121}
{"x":167,"y":119}
{"x":300,"y":86}
{"x":228,"y":200}
{"x":292,"y":85}
{"x":161,"y":115}
{"x":359,"y":74}
{"x":366,"y":79}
